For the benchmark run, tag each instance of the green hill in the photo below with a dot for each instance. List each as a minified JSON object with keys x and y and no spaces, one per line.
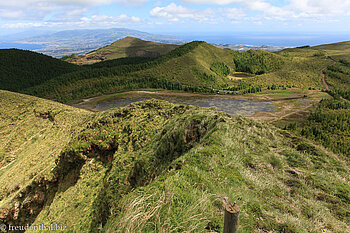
{"x":336,"y":50}
{"x":159,"y":167}
{"x":194,"y":67}
{"x":131,"y":73}
{"x":337,"y":75}
{"x":126,"y":47}
{"x":190,"y":67}
{"x":20,"y":69}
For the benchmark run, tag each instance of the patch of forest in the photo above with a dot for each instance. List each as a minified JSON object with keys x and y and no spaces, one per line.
{"x":329,"y":125}
{"x":257,"y":62}
{"x":20,"y":69}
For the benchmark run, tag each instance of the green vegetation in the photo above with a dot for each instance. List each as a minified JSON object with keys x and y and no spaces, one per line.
{"x":337,"y":50}
{"x":195,"y":66}
{"x":207,"y":79}
{"x":294,"y":67}
{"x":155,"y":166}
{"x":68,"y":58}
{"x":21,"y":69}
{"x":120,"y":62}
{"x":159,"y":167}
{"x":118,"y":75}
{"x":220,"y":68}
{"x":95,"y":87}
{"x":320,"y":53}
{"x":337,"y":76}
{"x":329,"y":125}
{"x":126,"y":47}
{"x":257,"y":62}
{"x":337,"y":93}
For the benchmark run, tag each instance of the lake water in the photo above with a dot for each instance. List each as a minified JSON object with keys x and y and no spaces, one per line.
{"x":224,"y":104}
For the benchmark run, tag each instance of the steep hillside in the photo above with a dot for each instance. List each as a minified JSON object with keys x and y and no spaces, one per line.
{"x":159,"y":167}
{"x":193,"y":67}
{"x":126,"y":47}
{"x":300,"y":68}
{"x":32,"y":134}
{"x":20,"y":69}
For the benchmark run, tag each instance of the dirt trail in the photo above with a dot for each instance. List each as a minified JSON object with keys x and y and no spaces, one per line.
{"x":323,"y":76}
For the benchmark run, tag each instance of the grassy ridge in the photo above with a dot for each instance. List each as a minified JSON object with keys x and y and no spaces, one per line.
{"x":33,"y":133}
{"x":155,"y":166}
{"x":126,"y":47}
{"x":190,"y":68}
{"x":301,"y":68}
{"x":336,"y":50}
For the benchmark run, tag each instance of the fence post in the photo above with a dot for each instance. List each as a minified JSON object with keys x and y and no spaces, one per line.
{"x":231,"y":218}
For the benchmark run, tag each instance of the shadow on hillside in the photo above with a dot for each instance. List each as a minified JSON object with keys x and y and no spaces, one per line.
{"x":137,"y":50}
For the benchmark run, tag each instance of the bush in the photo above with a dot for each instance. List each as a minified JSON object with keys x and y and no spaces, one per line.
{"x":220,"y":69}
{"x":257,"y":62}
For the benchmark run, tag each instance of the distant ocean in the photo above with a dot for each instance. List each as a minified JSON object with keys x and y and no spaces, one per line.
{"x":287,"y":40}
{"x":21,"y":46}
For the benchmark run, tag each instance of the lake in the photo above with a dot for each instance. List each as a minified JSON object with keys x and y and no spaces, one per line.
{"x":224,"y":103}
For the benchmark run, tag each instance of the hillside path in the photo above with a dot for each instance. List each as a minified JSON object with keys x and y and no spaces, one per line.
{"x":323,"y":76}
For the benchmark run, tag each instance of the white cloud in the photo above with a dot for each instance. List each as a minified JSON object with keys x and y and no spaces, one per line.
{"x":321,"y":7}
{"x":73,"y":13}
{"x":218,"y":2}
{"x":11,"y":14}
{"x":37,"y":9}
{"x":21,"y":25}
{"x":110,"y":20}
{"x":175,"y":13}
{"x":26,"y":3}
{"x":20,"y":14}
{"x":270,"y":11}
{"x":232,"y":13}
{"x":83,"y":22}
{"x":291,"y":8}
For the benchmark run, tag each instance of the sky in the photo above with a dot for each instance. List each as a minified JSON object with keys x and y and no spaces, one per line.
{"x":179,"y":16}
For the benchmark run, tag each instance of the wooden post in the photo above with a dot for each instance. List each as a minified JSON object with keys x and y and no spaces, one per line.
{"x":231,"y":218}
